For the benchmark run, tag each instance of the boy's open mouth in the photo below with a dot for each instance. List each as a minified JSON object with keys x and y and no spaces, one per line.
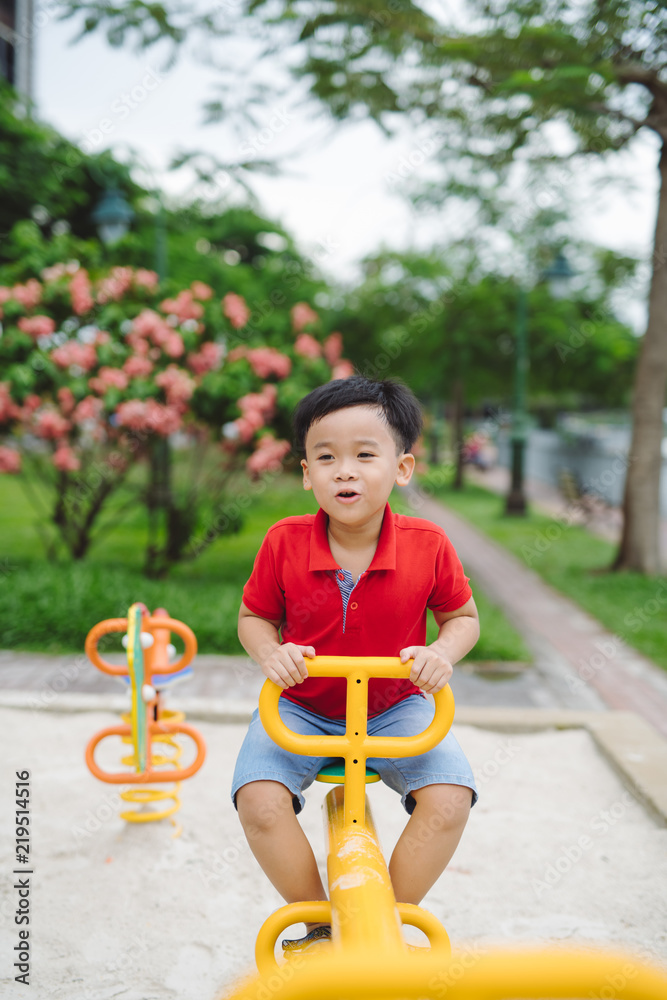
{"x":347,"y":494}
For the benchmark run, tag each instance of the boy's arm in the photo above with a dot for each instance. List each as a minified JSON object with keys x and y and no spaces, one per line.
{"x":282,"y":664}
{"x":433,"y":665}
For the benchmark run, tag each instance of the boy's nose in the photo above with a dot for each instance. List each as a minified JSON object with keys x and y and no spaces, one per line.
{"x":344,"y":473}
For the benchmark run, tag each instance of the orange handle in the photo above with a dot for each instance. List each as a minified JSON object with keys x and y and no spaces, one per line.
{"x":156,"y":656}
{"x":149,"y":775}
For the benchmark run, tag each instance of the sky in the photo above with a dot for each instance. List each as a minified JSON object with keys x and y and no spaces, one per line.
{"x":340,"y":194}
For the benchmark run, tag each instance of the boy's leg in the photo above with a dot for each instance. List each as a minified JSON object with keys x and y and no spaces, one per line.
{"x":429,"y":839}
{"x":441,"y":785}
{"x":278,"y":842}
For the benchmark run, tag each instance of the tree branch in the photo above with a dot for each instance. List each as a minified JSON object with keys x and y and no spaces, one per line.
{"x":636,"y":73}
{"x":604,"y":109}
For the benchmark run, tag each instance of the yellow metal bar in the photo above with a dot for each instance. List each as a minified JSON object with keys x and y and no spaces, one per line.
{"x":277,"y":922}
{"x":415,"y":916}
{"x":356,"y":746}
{"x":364,"y":911}
{"x":368,"y":958}
{"x":548,"y":974}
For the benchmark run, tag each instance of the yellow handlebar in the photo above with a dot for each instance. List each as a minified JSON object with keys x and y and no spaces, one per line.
{"x":356,"y":746}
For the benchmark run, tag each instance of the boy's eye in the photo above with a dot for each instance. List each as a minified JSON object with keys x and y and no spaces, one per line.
{"x":324,"y":458}
{"x":366,"y":454}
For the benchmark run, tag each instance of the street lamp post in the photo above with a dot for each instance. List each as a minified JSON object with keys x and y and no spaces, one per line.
{"x":516,"y":498}
{"x":558,"y":276}
{"x":112,"y":216}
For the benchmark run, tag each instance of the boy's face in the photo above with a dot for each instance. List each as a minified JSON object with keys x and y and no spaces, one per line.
{"x":351,"y":464}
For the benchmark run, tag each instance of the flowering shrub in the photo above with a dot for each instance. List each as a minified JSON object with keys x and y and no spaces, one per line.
{"x":97,"y":371}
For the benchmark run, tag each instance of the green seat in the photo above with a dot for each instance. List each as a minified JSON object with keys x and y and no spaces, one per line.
{"x":334,"y":774}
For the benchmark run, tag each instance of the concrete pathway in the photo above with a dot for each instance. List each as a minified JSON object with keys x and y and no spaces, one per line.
{"x":579,"y":660}
{"x":601,"y":519}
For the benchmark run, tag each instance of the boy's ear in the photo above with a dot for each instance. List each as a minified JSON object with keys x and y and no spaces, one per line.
{"x":406,"y":466}
{"x":307,"y":485}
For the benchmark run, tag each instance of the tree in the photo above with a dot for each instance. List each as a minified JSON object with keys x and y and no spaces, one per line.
{"x":442,"y":323}
{"x":103,"y":371}
{"x":540,"y":82}
{"x":529,"y":79}
{"x":48,"y":179}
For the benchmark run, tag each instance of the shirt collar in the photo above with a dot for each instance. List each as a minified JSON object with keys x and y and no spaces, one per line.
{"x":320,"y":553}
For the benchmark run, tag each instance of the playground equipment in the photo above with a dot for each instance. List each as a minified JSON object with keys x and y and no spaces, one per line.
{"x":367,"y":956}
{"x":148,"y":673}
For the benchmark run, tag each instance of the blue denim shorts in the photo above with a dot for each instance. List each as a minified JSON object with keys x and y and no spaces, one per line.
{"x":260,"y":759}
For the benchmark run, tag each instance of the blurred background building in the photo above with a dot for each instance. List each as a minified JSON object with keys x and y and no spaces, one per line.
{"x":16,"y":45}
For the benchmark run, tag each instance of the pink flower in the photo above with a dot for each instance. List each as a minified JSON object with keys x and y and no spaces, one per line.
{"x":8,"y":408}
{"x":113,"y":287}
{"x":51,"y":425}
{"x":138,"y":344}
{"x":237,"y":352}
{"x":146,"y":279}
{"x":79,"y":289}
{"x":37,"y":326}
{"x":266,"y":361}
{"x":205,"y":360}
{"x":10,"y":460}
{"x":138,"y":367}
{"x":132,"y":414}
{"x":140,"y":415}
{"x":256,"y":408}
{"x":89,"y":408}
{"x":108,"y":377}
{"x":163,"y":420}
{"x":177,"y":384}
{"x":247,"y":428}
{"x":235,"y":309}
{"x":302,"y":315}
{"x":146,"y":322}
{"x":343,"y":369}
{"x":54,"y":273}
{"x":268,"y":457}
{"x":29,"y":295}
{"x":174,"y":345}
{"x":102,"y":337}
{"x":65,"y":460}
{"x":75,"y":353}
{"x":30,"y":404}
{"x":183,"y":306}
{"x":66,"y":400}
{"x":333,"y":347}
{"x":201,"y":290}
{"x":307,"y":346}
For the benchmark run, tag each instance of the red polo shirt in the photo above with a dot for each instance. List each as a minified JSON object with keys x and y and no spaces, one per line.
{"x":415,"y":567}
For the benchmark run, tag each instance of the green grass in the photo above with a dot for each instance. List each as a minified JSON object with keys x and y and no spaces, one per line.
{"x":50,"y":606}
{"x":575,"y":562}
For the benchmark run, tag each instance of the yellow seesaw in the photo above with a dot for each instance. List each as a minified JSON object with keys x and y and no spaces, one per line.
{"x":368,"y":957}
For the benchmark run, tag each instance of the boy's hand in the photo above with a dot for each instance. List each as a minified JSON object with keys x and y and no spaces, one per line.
{"x":430,"y":671}
{"x":286,"y":666}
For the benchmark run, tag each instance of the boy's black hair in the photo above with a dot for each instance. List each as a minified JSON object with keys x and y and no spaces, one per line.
{"x":396,"y":403}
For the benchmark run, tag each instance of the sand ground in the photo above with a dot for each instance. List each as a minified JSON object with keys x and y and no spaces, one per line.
{"x":556,"y":850}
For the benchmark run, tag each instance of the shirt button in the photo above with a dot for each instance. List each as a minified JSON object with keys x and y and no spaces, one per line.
{"x":354,"y":605}
{"x":341,"y":576}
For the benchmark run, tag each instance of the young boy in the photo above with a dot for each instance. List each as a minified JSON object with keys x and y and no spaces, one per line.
{"x":354,"y":579}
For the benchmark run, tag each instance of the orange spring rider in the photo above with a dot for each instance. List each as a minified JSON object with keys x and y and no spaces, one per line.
{"x":147,"y":672}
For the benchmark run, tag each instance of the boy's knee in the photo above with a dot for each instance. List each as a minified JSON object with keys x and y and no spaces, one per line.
{"x":261,"y":804}
{"x":444,"y":806}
